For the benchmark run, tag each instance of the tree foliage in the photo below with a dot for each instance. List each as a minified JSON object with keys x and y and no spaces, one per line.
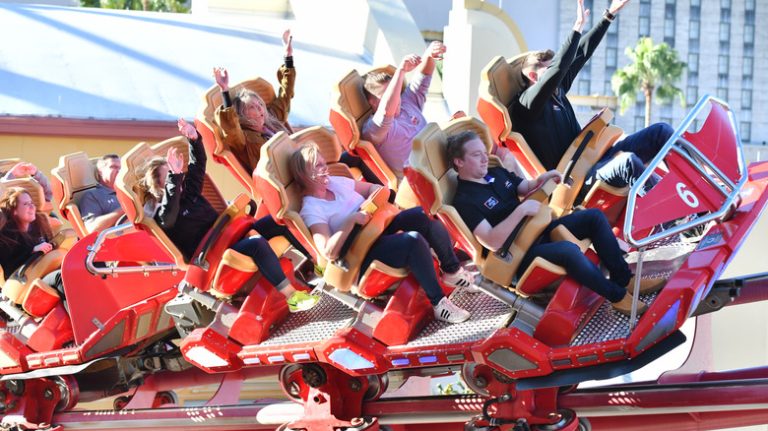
{"x":148,"y":5}
{"x":654,"y":69}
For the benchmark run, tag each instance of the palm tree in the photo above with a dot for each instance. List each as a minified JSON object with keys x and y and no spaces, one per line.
{"x":653,"y":68}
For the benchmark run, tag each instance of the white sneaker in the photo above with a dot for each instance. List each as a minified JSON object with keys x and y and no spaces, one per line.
{"x":447,"y":311}
{"x":461,"y":279}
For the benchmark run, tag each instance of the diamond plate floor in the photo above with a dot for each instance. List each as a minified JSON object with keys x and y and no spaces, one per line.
{"x":608,"y":324}
{"x":317,"y":324}
{"x":487,"y":315}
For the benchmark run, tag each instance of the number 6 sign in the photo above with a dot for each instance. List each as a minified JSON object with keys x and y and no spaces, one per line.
{"x":687,"y":196}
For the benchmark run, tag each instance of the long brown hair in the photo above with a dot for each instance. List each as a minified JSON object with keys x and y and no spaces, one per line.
{"x":38,"y":229}
{"x":149,"y":181}
{"x":271,"y":122}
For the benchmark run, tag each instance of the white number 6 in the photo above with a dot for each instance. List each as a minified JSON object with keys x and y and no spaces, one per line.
{"x":687,"y":196}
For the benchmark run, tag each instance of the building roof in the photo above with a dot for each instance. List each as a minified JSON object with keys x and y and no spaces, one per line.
{"x":81,"y":63}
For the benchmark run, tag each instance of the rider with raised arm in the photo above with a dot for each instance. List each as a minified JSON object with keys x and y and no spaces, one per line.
{"x":541,"y":112}
{"x":487,"y":199}
{"x":330,"y":209}
{"x":186,"y":216}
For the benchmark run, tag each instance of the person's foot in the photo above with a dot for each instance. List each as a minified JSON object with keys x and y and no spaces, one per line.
{"x":625,"y":305}
{"x":461,"y":279}
{"x":647,"y":285}
{"x":447,"y":311}
{"x":301,"y":301}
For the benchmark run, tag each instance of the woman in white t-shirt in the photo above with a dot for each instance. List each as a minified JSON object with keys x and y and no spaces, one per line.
{"x":331,"y":208}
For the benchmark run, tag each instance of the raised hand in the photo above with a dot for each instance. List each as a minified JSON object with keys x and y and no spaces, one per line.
{"x":288,"y":43}
{"x":186,"y":129}
{"x":581,"y":16}
{"x":222,"y":78}
{"x":23,"y":169}
{"x":410,"y":62}
{"x":175,"y":160}
{"x":616,"y":6}
{"x":436,"y":49}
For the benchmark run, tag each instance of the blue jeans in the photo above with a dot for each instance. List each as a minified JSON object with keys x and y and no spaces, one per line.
{"x":590,"y":223}
{"x":411,"y":249}
{"x":625,"y":161}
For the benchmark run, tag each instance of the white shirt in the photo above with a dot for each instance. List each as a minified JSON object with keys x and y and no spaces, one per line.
{"x":334,"y":212}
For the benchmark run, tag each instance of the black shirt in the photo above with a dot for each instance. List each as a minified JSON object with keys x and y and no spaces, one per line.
{"x":493,"y":202}
{"x":542,"y":112}
{"x":184,"y":214}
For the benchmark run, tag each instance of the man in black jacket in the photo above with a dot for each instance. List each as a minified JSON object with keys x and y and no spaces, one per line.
{"x":541,"y":112}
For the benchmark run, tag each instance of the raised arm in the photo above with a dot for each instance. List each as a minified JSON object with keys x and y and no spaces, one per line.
{"x":170,"y":205}
{"x":390,"y":100}
{"x":197,"y":159}
{"x":539,"y":93}
{"x":286,"y":76}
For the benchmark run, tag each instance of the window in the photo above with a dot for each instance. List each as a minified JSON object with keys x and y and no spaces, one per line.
{"x":722,"y":93}
{"x":691,"y":95}
{"x":611,"y":55}
{"x":725,"y":3}
{"x":722,"y":65}
{"x":696,"y":3}
{"x":669,"y":11}
{"x":725,"y":48}
{"x":644,"y":26}
{"x":722,"y":80}
{"x":749,"y":17}
{"x":748,"y":5}
{"x":584,"y":87}
{"x":693,"y":63}
{"x":746,"y":99}
{"x":747,"y":66}
{"x":669,"y":30}
{"x":749,"y":34}
{"x":695,"y":13}
{"x":639,"y":122}
{"x":607,"y":88}
{"x":693,"y":30}
{"x":749,"y":50}
{"x":725,"y":31}
{"x":693,"y":79}
{"x":693,"y":45}
{"x":612,"y":40}
{"x":725,"y":15}
{"x":745,"y":131}
{"x":746,"y":82}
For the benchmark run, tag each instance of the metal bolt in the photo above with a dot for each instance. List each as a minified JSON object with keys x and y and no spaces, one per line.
{"x":48,"y":394}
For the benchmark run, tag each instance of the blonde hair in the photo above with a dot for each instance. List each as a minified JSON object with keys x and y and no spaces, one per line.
{"x":149,"y":180}
{"x":302,"y":162}
{"x":8,"y":204}
{"x":240,"y":103}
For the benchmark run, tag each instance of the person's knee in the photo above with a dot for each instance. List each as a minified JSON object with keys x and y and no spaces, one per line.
{"x":662,"y":130}
{"x":631,"y":164}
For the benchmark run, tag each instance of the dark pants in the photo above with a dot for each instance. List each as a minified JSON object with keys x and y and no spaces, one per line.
{"x":625,"y":161}
{"x":268,"y":228}
{"x":257,"y":247}
{"x":591,"y":224}
{"x":412,"y":247}
{"x":357,"y":162}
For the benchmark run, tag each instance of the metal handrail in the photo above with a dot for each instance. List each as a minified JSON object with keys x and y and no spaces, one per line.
{"x":113,"y":232}
{"x":684,"y":148}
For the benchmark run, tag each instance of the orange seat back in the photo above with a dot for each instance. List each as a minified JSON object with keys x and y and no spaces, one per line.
{"x":75,"y":174}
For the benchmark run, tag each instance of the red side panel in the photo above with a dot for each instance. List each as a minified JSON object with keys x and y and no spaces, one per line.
{"x":264,"y":308}
{"x":682,"y":191}
{"x":407,"y":311}
{"x":717,"y":142}
{"x":92,"y":298}
{"x":571,"y":305}
{"x":53,"y":331}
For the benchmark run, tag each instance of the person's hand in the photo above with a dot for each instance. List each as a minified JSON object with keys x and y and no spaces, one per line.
{"x":616,"y":6}
{"x":410,"y":62}
{"x":529,"y":207}
{"x":436,"y":49}
{"x":458,"y":114}
{"x":23,"y":169}
{"x":175,"y":160}
{"x":186,"y":129}
{"x":551,"y":175}
{"x":288,"y":43}
{"x":361,"y":217}
{"x":222,"y":78}
{"x":45,"y":247}
{"x":581,"y":16}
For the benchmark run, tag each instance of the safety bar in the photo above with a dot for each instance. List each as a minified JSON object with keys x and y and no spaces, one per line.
{"x":115,"y":232}
{"x":702,"y":164}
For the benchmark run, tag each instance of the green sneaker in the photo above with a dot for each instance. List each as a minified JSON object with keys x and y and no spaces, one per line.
{"x":301,"y":301}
